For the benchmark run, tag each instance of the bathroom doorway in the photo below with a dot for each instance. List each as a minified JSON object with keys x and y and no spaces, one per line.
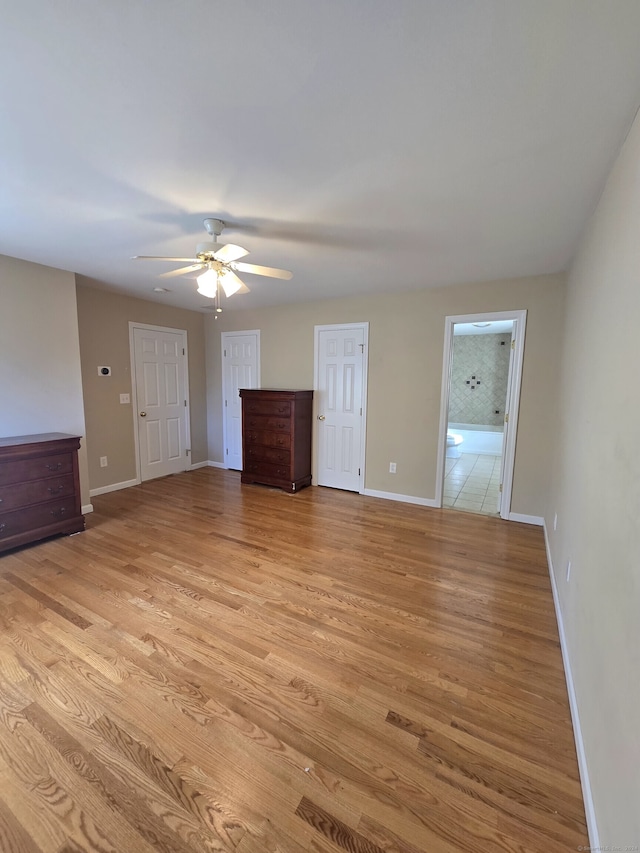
{"x":481,"y":388}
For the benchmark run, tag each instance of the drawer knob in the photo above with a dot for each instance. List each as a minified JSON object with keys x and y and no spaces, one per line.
{"x":56,"y":489}
{"x":55,"y":467}
{"x":2,"y":527}
{"x":60,"y":511}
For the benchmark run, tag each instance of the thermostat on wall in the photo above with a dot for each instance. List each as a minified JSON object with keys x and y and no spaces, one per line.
{"x":104,"y":371}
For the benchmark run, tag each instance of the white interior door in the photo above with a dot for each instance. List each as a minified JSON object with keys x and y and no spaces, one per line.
{"x":160,"y":392}
{"x":240,"y":369}
{"x":340,"y":405}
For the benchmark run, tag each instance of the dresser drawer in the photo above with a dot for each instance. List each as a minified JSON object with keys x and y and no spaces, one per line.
{"x":269,"y":439}
{"x":20,"y":470}
{"x":269,"y":423}
{"x":267,"y":469}
{"x":33,"y":517}
{"x":267,"y":407}
{"x":36,"y":491}
{"x":262,"y":453}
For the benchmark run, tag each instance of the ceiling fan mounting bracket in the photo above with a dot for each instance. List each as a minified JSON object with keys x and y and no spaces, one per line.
{"x":215,"y":227}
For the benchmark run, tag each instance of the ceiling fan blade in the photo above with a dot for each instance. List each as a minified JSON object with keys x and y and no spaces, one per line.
{"x":230,"y":252}
{"x":272,"y":272}
{"x":156,"y":258}
{"x":182,"y":270}
{"x":231,"y":283}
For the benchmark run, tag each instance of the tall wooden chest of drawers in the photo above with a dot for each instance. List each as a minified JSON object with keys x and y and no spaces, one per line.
{"x":276,"y":438}
{"x":39,"y":488}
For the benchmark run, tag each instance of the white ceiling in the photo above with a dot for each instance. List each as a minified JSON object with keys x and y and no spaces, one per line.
{"x":366,"y":145}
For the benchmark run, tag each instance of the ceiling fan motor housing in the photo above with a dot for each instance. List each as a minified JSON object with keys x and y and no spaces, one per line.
{"x":207,"y":249}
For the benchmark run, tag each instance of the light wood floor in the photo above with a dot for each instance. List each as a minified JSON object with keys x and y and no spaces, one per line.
{"x":213,"y":667}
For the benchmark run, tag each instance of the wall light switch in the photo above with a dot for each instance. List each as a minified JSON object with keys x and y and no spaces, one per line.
{"x":392,"y":467}
{"x":103,"y":462}
{"x":125,"y":398}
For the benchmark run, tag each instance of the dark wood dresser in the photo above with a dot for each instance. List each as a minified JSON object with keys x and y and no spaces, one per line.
{"x":39,"y":488}
{"x":276,"y":438}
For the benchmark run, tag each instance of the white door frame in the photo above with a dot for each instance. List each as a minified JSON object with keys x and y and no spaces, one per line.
{"x":224,"y":336}
{"x":513,"y":404}
{"x":316,"y":382}
{"x":134,"y":390}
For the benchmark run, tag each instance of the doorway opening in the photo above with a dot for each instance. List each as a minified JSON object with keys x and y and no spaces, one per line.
{"x":481,"y":390}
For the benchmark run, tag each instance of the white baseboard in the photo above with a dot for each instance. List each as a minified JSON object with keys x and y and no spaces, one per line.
{"x":114,"y":487}
{"x":592,"y":826}
{"x":196,"y":465}
{"x":527,"y":519}
{"x":87,"y":508}
{"x":393,"y":496}
{"x":215,"y":464}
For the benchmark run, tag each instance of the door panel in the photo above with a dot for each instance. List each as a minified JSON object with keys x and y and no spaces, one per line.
{"x":340,"y":405}
{"x":240,"y":370}
{"x":160,"y":393}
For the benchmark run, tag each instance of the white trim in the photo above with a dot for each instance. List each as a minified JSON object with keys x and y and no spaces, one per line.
{"x":196,"y":465}
{"x":393,"y":496}
{"x":134,"y":389}
{"x":223,"y":338}
{"x":526,"y":519}
{"x":212,"y":464}
{"x":519,"y":318}
{"x":587,"y":796}
{"x":86,"y":509}
{"x":114,"y":487}
{"x":365,"y":395}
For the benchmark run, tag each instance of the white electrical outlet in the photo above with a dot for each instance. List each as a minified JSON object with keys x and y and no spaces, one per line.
{"x":392,"y":467}
{"x":103,"y":462}
{"x":125,"y":398}
{"x":568,"y":570}
{"x":555,"y":521}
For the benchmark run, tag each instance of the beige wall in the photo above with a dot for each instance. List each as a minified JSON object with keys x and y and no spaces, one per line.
{"x":40,"y":383}
{"x":405,"y":372}
{"x":103,"y":320}
{"x":596,"y":494}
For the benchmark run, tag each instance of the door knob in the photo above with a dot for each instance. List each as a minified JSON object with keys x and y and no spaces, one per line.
{"x":321,"y":417}
{"x":143,"y":414}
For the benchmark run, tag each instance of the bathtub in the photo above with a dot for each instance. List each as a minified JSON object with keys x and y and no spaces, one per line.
{"x":479,"y":438}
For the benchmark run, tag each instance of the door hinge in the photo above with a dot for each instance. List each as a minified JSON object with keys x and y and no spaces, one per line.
{"x":225,"y":404}
{"x":358,"y":472}
{"x":187,"y":452}
{"x":227,"y":451}
{"x":225,"y":353}
{"x":361,"y":410}
{"x":361,"y":347}
{"x":506,"y":418}
{"x":513,"y":344}
{"x":185,"y":402}
{"x":500,"y":489}
{"x":182,"y":350}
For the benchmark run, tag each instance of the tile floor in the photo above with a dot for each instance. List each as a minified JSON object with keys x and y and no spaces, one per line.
{"x":472,"y":483}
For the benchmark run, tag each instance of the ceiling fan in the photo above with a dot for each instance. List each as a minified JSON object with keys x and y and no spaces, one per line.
{"x":220,"y":264}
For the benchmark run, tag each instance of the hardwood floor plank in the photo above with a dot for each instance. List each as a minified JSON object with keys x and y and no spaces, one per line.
{"x":45,"y":599}
{"x":219,"y":668}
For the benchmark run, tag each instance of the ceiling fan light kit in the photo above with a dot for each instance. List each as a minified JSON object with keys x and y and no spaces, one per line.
{"x":219,"y":264}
